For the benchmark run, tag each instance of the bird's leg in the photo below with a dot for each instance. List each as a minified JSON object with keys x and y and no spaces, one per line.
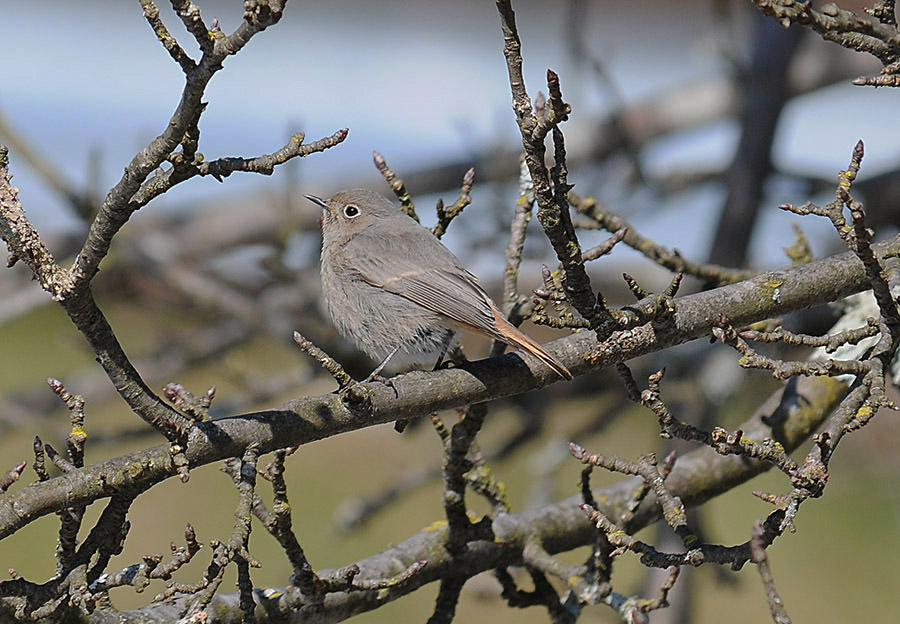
{"x":376,"y":374}
{"x":456,"y":353}
{"x":440,"y":361}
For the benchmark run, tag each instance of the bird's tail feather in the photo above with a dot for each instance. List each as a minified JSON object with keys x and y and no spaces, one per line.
{"x":508,"y":333}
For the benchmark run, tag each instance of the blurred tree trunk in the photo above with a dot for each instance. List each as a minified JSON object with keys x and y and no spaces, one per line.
{"x":764,"y":92}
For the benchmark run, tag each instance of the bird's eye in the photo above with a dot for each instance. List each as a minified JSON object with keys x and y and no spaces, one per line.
{"x":351,"y":211}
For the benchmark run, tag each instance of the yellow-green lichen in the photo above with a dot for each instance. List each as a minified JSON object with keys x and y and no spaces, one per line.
{"x":770,"y":287}
{"x":435,"y":526}
{"x":473,"y":517}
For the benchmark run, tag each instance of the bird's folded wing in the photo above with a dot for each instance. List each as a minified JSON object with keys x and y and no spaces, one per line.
{"x":453,"y":293}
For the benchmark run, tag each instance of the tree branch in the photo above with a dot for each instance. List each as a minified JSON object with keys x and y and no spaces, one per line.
{"x":412,"y":395}
{"x":793,"y":413}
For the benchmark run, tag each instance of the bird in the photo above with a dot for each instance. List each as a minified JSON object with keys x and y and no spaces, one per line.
{"x":391,"y":286}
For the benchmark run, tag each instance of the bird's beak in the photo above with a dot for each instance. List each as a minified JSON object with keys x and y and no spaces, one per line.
{"x":317,"y":200}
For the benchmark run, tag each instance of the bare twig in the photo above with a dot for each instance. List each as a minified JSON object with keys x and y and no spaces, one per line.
{"x":325,"y":361}
{"x":758,"y":549}
{"x":713,"y":275}
{"x":553,"y":207}
{"x":396,"y":184}
{"x":12,"y":475}
{"x":446,"y":215}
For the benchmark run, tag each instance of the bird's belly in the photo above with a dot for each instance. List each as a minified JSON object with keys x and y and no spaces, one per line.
{"x":378,"y":321}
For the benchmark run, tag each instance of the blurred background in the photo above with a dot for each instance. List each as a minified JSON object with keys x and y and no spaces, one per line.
{"x":693,"y":121}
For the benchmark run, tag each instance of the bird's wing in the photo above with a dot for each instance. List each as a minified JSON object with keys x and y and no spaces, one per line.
{"x":396,"y":262}
{"x":451,"y":291}
{"x":453,"y":294}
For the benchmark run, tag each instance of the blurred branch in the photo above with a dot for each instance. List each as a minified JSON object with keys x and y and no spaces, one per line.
{"x":81,"y":202}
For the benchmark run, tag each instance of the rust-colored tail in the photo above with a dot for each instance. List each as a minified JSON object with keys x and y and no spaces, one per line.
{"x":508,"y":333}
